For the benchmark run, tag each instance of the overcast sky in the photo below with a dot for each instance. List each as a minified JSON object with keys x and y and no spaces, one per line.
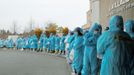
{"x":70,"y":13}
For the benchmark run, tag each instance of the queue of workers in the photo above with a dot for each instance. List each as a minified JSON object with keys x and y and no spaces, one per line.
{"x":104,"y":53}
{"x":8,"y":43}
{"x":90,"y":52}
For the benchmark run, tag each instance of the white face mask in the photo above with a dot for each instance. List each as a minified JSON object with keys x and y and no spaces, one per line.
{"x":95,"y":32}
{"x":124,"y":29}
{"x":76,"y":33}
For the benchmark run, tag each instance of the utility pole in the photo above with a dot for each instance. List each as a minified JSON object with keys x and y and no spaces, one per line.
{"x":14,"y":27}
{"x":31,"y":24}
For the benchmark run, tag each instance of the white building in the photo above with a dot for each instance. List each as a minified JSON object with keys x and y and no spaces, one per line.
{"x":95,"y":7}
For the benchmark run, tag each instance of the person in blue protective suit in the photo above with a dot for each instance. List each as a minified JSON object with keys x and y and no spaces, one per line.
{"x":57,"y":44}
{"x":62,"y":44}
{"x":52,"y":43}
{"x":48,"y":44}
{"x":45,"y":40}
{"x":78,"y":51}
{"x":6,"y":43}
{"x":90,"y":52}
{"x":28,"y":42}
{"x":10,"y":43}
{"x":34,"y":42}
{"x":112,"y":47}
{"x":70,"y":42}
{"x":24,"y":42}
{"x":1,"y":43}
{"x":41,"y":43}
{"x":129,"y":27}
{"x":17,"y":43}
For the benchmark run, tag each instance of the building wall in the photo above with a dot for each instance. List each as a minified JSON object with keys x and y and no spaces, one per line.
{"x":95,"y":11}
{"x":89,"y":18}
{"x":104,"y":6}
{"x":109,"y":8}
{"x":93,"y":14}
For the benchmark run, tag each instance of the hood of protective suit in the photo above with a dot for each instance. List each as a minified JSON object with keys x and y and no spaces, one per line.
{"x":34,"y":37}
{"x":79,"y":31}
{"x":116,"y":23}
{"x":129,"y":25}
{"x":94,"y":27}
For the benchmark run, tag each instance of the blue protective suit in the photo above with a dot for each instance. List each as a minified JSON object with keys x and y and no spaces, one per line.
{"x":41,"y":42}
{"x":23,"y":43}
{"x":48,"y":44}
{"x":34,"y":42}
{"x":129,"y":25}
{"x":62,"y":43}
{"x":5,"y":42}
{"x":52,"y":42}
{"x":10,"y":43}
{"x":78,"y":54}
{"x":27,"y":43}
{"x":57,"y":43}
{"x":1,"y":43}
{"x":31,"y":42}
{"x":112,"y":46}
{"x":90,"y":52}
{"x":17,"y":43}
{"x":45,"y":42}
{"x":70,"y":42}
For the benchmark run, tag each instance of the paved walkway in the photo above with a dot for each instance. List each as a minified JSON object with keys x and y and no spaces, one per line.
{"x":13,"y":62}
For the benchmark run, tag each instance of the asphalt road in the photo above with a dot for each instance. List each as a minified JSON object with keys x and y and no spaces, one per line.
{"x":13,"y":62}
